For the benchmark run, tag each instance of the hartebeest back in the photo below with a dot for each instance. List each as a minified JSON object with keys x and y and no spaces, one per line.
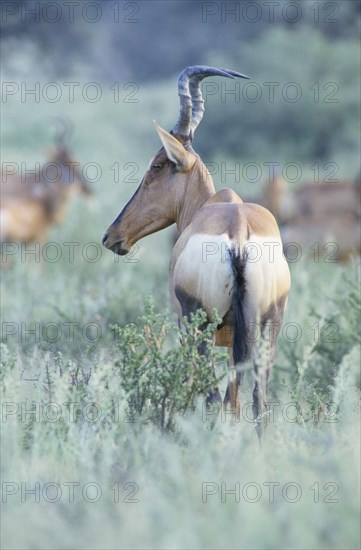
{"x":32,"y":202}
{"x":214,"y":263}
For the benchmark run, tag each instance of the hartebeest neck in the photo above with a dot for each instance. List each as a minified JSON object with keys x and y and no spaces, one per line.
{"x":198,"y":189}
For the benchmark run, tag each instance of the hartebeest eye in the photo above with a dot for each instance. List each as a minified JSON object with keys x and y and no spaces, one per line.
{"x":156,"y":166}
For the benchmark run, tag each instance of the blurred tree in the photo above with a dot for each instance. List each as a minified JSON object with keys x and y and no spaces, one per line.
{"x":322,"y":120}
{"x":153,"y":39}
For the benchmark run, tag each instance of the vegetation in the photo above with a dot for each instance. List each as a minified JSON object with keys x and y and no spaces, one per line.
{"x":103,"y":413}
{"x":110,"y":414}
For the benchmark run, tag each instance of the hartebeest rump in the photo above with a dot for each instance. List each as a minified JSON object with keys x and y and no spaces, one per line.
{"x":212,"y":265}
{"x":32,"y":202}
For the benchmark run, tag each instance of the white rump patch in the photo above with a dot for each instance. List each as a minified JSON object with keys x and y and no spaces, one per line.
{"x":204,"y":271}
{"x":267,"y":274}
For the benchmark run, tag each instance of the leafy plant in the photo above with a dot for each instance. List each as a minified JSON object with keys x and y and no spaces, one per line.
{"x":159,"y":380}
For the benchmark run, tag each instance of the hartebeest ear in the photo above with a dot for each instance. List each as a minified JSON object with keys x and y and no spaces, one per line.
{"x":176,"y":153}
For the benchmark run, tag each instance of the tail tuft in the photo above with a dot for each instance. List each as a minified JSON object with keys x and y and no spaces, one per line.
{"x":241,"y":342}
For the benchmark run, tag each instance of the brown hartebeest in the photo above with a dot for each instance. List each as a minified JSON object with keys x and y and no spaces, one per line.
{"x":213,"y":264}
{"x":32,"y":202}
{"x":327,"y":215}
{"x":324,"y":219}
{"x":318,"y":202}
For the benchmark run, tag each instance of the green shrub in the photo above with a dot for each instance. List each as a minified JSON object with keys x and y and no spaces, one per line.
{"x":161,"y":380}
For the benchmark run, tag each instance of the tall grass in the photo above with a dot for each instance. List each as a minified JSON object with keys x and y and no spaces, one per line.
{"x":70,"y":417}
{"x":103,"y":424}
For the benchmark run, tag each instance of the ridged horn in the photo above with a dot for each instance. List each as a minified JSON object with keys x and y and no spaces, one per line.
{"x":190,"y":96}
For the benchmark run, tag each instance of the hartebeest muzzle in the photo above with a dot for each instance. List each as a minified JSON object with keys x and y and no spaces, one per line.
{"x":115,"y":246}
{"x":113,"y":241}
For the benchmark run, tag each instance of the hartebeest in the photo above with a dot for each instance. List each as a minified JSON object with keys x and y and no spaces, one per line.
{"x":213,"y":264}
{"x":318,"y":202}
{"x":327,"y":215}
{"x":323,"y":219}
{"x":32,"y":202}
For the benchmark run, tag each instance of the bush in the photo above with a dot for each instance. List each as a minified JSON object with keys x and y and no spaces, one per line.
{"x":159,"y":381}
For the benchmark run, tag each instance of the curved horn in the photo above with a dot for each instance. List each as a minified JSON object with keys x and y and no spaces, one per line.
{"x":190,"y":95}
{"x":63,"y":131}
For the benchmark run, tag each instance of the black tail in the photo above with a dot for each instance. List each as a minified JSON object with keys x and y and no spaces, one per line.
{"x":241,"y":341}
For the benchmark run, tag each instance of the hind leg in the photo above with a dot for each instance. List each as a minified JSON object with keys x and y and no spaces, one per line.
{"x":189,"y":306}
{"x":224,"y":337}
{"x":264,"y":358}
{"x":263,"y":363}
{"x":260,"y":401}
{"x":231,"y":400}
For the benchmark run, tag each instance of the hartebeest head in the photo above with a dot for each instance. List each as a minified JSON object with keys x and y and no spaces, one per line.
{"x":66,"y":170}
{"x":177,"y":182}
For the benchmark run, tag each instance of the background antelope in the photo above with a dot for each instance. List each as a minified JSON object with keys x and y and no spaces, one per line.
{"x":32,"y":203}
{"x":325,"y":213}
{"x":313,"y":202}
{"x":211,"y":265}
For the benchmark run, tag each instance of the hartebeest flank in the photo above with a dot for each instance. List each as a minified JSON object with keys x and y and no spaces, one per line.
{"x":211,"y":265}
{"x":32,"y":202}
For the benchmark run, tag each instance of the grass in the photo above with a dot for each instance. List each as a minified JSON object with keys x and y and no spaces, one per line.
{"x":109,"y":473}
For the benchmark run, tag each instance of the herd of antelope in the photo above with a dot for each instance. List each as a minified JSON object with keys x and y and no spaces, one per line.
{"x":212,"y":265}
